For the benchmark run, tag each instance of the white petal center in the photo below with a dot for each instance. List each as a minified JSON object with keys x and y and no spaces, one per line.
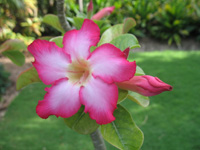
{"x":79,"y":72}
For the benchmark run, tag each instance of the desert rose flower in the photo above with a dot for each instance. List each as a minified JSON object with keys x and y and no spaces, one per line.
{"x":79,"y":77}
{"x":145,"y":85}
{"x":103,"y":13}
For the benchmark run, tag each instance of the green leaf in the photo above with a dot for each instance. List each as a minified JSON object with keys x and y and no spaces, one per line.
{"x":15,"y":56}
{"x":124,"y":41}
{"x":128,"y":24}
{"x":139,"y":71}
{"x":27,"y":77}
{"x":46,"y":38}
{"x":122,"y":95}
{"x":123,"y":133}
{"x":77,"y":21}
{"x":139,"y":99}
{"x":12,"y":44}
{"x":104,"y":28}
{"x":111,"y":33}
{"x":53,"y":21}
{"x":81,"y":122}
{"x":58,"y":40}
{"x":116,"y":30}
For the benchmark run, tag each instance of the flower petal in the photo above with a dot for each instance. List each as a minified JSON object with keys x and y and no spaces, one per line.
{"x":110,"y":64}
{"x":50,"y":61}
{"x":62,"y":99}
{"x":100,"y":100}
{"x":145,"y":85}
{"x":77,"y":43}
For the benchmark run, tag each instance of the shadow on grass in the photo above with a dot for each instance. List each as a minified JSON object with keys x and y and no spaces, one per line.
{"x":171,"y":122}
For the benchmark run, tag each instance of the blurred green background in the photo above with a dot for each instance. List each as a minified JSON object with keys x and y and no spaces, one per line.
{"x":168,"y":20}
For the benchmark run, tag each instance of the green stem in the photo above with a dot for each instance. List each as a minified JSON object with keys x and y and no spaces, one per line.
{"x":97,"y":140}
{"x":61,"y":15}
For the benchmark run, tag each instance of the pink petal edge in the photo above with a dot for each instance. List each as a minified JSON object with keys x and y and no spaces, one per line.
{"x":109,"y":63}
{"x":62,"y":99}
{"x":50,"y":61}
{"x":77,"y":43}
{"x":100,"y":100}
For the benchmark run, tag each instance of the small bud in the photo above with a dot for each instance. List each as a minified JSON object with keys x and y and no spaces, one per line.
{"x":90,"y":9}
{"x":103,"y":13}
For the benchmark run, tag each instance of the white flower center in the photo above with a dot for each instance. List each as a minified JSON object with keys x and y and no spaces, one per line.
{"x":79,"y":72}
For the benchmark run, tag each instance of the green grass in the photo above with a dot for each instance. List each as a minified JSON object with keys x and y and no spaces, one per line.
{"x":171,"y":122}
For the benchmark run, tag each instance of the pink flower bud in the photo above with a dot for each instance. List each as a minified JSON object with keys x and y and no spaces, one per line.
{"x":90,"y":7}
{"x":102,"y":13}
{"x":145,"y":85}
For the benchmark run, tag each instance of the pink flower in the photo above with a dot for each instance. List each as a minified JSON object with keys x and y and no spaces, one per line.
{"x":103,"y":13}
{"x":79,"y":77}
{"x":145,"y":85}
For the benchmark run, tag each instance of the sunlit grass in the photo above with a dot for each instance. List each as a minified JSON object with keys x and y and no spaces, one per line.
{"x":170,"y":122}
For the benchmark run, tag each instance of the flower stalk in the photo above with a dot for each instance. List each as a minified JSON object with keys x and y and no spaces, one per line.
{"x":97,"y":140}
{"x":61,"y":15}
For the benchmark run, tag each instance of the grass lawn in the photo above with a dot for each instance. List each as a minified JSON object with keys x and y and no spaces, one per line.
{"x":171,"y":122}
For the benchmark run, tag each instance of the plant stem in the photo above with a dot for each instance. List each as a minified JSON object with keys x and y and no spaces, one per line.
{"x":97,"y":140}
{"x":80,"y":5}
{"x":61,"y":15}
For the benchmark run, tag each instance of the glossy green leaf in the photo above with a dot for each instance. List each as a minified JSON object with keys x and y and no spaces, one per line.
{"x":15,"y":56}
{"x":124,"y":41}
{"x":58,"y":40}
{"x":128,"y":24}
{"x":122,"y":95}
{"x":139,"y":71}
{"x":116,"y":30}
{"x":12,"y":44}
{"x":53,"y":21}
{"x":123,"y":133}
{"x":111,"y":33}
{"x":81,"y":122}
{"x":139,"y":99}
{"x":77,"y":21}
{"x":27,"y":77}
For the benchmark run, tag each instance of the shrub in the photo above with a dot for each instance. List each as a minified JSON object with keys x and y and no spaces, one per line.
{"x":4,"y":80}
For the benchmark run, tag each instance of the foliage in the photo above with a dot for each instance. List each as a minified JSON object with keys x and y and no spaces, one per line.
{"x":172,"y":21}
{"x":4,"y":80}
{"x":169,"y":20}
{"x":19,"y":18}
{"x":13,"y":50}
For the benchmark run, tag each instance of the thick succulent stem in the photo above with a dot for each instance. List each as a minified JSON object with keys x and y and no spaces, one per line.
{"x":97,"y":140}
{"x":61,"y":15}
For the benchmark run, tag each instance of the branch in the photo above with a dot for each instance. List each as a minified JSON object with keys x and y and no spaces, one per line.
{"x":61,"y":15}
{"x":97,"y":140}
